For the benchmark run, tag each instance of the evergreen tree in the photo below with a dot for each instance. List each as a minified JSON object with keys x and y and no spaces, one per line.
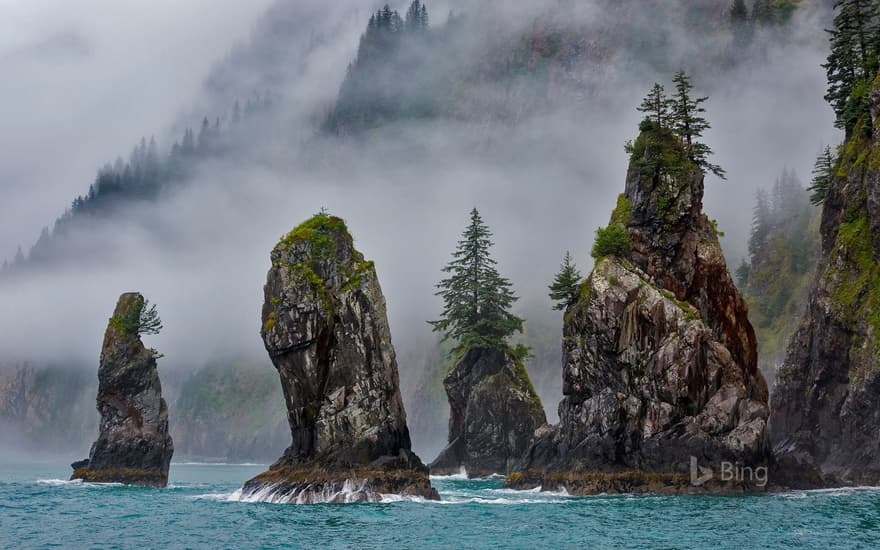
{"x":762,"y":12}
{"x":687,"y":122}
{"x":19,"y":257}
{"x":739,"y":12}
{"x":853,"y":62}
{"x":416,"y":17}
{"x":142,"y":318}
{"x":205,"y":136}
{"x":740,"y":24}
{"x":742,"y":274}
{"x":477,"y":299}
{"x":761,"y":222}
{"x":656,"y":106}
{"x":823,"y":177}
{"x":566,"y":285}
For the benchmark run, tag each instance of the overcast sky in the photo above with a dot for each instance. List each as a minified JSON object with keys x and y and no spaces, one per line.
{"x":84,"y":80}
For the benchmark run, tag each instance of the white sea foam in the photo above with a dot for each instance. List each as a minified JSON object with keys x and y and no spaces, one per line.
{"x":351,"y":491}
{"x":841,"y":491}
{"x":77,"y":482}
{"x":234,"y":496}
{"x":462,"y":474}
{"x":216,"y":464}
{"x":58,"y":482}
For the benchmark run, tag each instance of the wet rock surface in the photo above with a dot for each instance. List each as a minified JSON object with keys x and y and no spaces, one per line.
{"x":825,"y":426}
{"x":134,"y":446}
{"x":494,"y":412}
{"x":326,"y":330}
{"x":660,"y":362}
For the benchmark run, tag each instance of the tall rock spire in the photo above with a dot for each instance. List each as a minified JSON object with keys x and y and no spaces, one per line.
{"x":660,"y":377}
{"x":326,"y":331}
{"x":134,"y":446}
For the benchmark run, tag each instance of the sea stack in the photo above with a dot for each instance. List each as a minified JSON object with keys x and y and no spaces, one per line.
{"x":494,"y":412}
{"x":661,"y":386}
{"x":134,"y":446}
{"x":326,"y":330}
{"x":826,"y":400}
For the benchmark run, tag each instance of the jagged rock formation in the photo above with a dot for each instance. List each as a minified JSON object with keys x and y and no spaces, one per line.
{"x":660,"y":360}
{"x":134,"y":446}
{"x":494,"y":412}
{"x":826,"y":400}
{"x":326,"y":331}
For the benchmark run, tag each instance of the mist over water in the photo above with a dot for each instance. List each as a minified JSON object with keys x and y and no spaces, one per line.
{"x":543,"y":183}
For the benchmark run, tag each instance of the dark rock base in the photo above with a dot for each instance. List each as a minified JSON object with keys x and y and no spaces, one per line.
{"x":314,"y":484}
{"x":630,"y":482}
{"x":127,"y":476}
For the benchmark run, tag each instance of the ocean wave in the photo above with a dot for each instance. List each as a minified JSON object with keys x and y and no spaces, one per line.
{"x":57,"y":482}
{"x":217,"y":464}
{"x":498,"y":500}
{"x":462,"y":475}
{"x":833,"y":492}
{"x":76,"y":482}
{"x":234,"y":496}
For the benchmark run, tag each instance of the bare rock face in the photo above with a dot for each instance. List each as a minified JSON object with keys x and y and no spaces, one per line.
{"x":494,"y":412}
{"x":134,"y":446}
{"x":660,"y":375}
{"x":826,"y":400}
{"x":326,"y":331}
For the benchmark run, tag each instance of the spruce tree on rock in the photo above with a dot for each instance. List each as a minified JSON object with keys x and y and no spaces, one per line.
{"x":823,"y":176}
{"x":566,"y":285}
{"x":853,"y":62}
{"x":689,"y":124}
{"x":477,"y":299}
{"x":656,"y":106}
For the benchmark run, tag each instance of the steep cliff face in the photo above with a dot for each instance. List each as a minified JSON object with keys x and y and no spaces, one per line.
{"x":826,"y":400}
{"x":494,"y":412}
{"x":660,"y":363}
{"x":326,"y":331}
{"x":231,"y":411}
{"x":133,"y":446}
{"x":47,"y":408}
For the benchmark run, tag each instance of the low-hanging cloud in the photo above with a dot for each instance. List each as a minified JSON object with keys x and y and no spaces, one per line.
{"x":543,"y":184}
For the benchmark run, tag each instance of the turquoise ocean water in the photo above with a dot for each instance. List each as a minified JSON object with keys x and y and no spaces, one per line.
{"x":38,"y":508}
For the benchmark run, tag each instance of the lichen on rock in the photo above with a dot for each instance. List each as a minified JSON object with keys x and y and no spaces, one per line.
{"x":325,"y":327}
{"x":134,"y":446}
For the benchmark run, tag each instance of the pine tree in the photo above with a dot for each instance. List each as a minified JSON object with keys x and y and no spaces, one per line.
{"x":141,"y":319}
{"x":739,"y":13}
{"x":823,"y":177}
{"x":762,"y":12}
{"x":761,"y":222}
{"x":416,"y":17}
{"x":740,"y":24}
{"x":477,"y":299}
{"x":566,"y":285}
{"x":687,"y":122}
{"x":853,"y":61}
{"x":656,"y":106}
{"x":742,"y":274}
